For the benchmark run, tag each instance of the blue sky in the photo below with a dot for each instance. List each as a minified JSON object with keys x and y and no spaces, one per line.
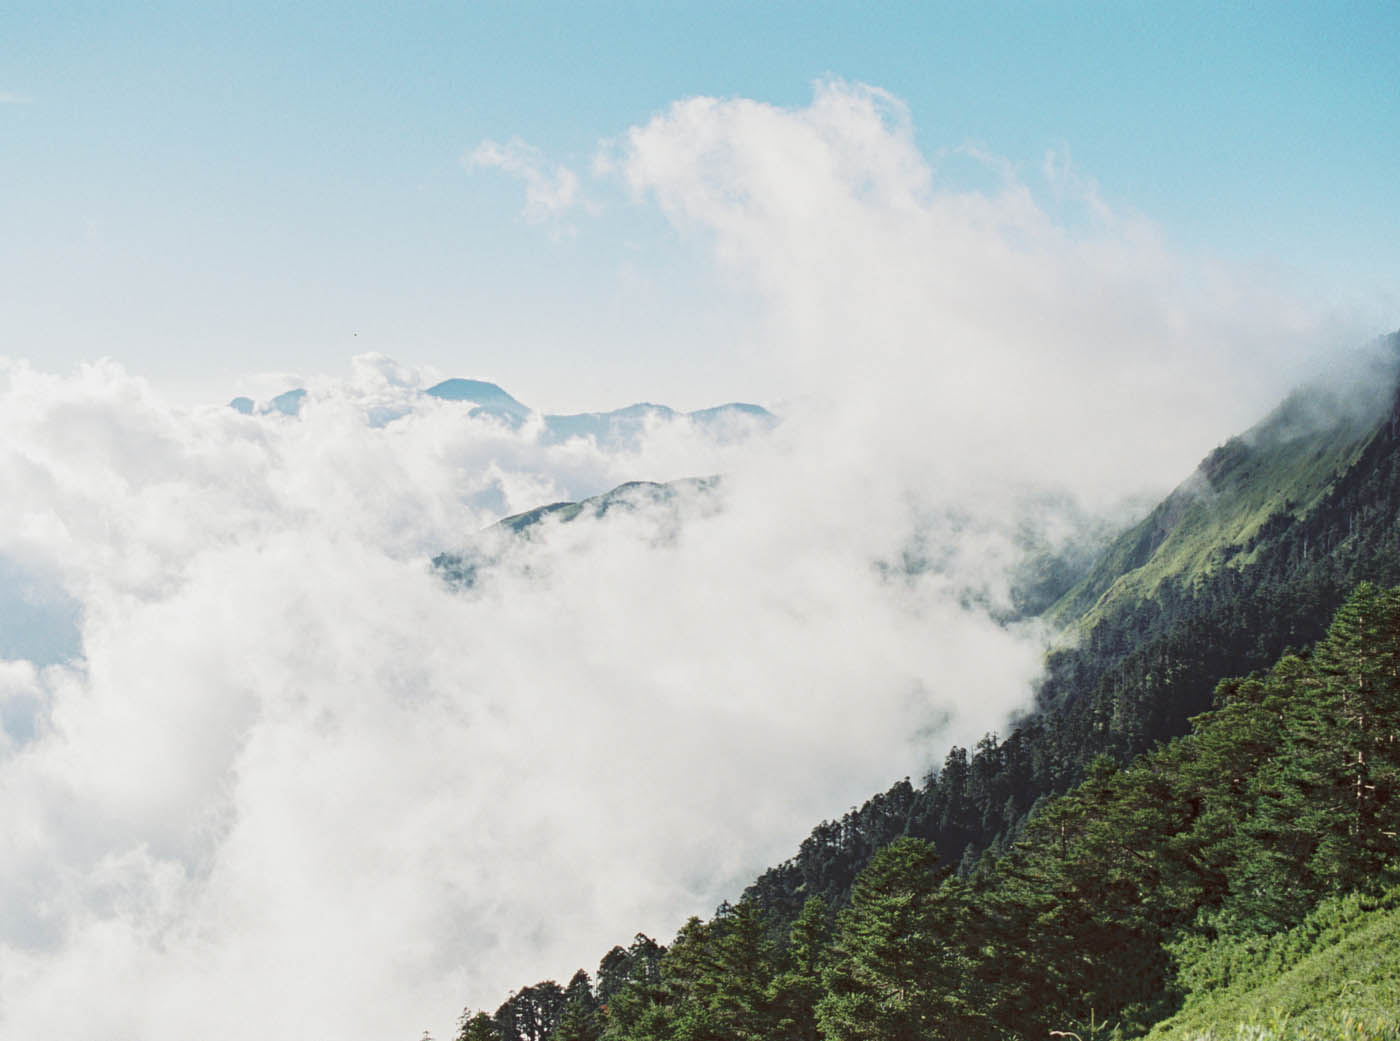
{"x":206,"y":191}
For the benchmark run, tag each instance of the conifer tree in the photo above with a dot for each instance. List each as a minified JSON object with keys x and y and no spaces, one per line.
{"x":477,"y":1027}
{"x":1358,"y":664}
{"x":580,"y":1020}
{"x":795,"y":991}
{"x":895,"y":971}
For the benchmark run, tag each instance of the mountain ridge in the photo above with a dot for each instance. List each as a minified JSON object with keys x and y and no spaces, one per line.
{"x":1277,"y":471}
{"x":618,"y":428}
{"x":1141,"y":665}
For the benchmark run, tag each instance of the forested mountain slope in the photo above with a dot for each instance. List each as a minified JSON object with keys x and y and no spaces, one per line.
{"x":1249,"y":557}
{"x":1175,"y":879}
{"x":1228,"y":512}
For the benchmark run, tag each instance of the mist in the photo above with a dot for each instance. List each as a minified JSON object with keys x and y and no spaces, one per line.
{"x":268,"y":775}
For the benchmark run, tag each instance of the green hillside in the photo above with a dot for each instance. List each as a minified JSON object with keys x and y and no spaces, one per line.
{"x":1248,"y":559}
{"x":1243,"y":494}
{"x":1334,"y":977}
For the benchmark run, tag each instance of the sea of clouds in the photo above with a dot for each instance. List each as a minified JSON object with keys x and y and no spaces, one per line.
{"x":265,"y":775}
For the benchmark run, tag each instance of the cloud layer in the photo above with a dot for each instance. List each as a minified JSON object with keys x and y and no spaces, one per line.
{"x":1026,"y":328}
{"x":295,"y":786}
{"x":292,"y":763}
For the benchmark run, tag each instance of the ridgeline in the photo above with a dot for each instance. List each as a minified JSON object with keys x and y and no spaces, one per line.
{"x":1198,"y":818}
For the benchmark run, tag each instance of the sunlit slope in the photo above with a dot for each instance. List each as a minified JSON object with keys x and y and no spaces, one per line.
{"x":1336,"y":976}
{"x":1231,"y":510}
{"x":1248,"y":558}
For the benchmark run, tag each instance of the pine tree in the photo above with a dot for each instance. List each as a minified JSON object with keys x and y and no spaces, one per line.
{"x":477,"y":1027}
{"x":743,"y":966}
{"x":1358,"y":663}
{"x":580,"y":1020}
{"x":895,"y":970}
{"x":795,"y":991}
{"x":531,"y":1013}
{"x":630,"y":993}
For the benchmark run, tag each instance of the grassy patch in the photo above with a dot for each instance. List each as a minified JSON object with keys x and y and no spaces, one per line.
{"x":1241,"y":497}
{"x":1335,"y":976}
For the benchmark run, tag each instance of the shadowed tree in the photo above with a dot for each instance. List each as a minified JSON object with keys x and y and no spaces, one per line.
{"x":477,"y":1026}
{"x":580,"y":1020}
{"x":896,"y":969}
{"x":531,"y":1013}
{"x":796,"y":989}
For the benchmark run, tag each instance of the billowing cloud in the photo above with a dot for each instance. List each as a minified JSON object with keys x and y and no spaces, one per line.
{"x":290,"y":762}
{"x":548,"y":192}
{"x":1025,"y":330}
{"x":284,"y":782}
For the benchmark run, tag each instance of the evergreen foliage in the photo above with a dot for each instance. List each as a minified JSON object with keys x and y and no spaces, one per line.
{"x":1141,"y":886}
{"x":895,"y":970}
{"x":1313,"y":514}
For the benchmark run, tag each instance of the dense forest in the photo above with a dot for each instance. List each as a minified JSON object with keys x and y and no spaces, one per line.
{"x":1132,"y":893}
{"x":1237,"y":598}
{"x":1214,"y":761}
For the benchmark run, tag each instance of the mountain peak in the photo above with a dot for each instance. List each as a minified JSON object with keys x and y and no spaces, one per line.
{"x":478,"y":392}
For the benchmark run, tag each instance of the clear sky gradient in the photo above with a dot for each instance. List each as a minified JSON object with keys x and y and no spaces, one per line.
{"x":205,"y":191}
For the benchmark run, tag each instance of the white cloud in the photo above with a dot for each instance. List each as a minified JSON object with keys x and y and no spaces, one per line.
{"x":297,"y":787}
{"x":986,"y":333}
{"x":548,"y":192}
{"x":292,"y":764}
{"x":9,"y":97}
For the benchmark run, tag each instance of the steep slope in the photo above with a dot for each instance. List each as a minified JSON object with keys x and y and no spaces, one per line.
{"x":1242,"y":496}
{"x":1220,"y":840}
{"x":1249,"y":557}
{"x":1331,"y":977}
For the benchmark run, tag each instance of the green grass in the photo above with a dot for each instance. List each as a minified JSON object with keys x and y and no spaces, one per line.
{"x":1219,"y":517}
{"x":1336,"y":976}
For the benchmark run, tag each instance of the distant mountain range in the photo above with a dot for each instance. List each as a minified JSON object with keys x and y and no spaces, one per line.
{"x":620,"y":428}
